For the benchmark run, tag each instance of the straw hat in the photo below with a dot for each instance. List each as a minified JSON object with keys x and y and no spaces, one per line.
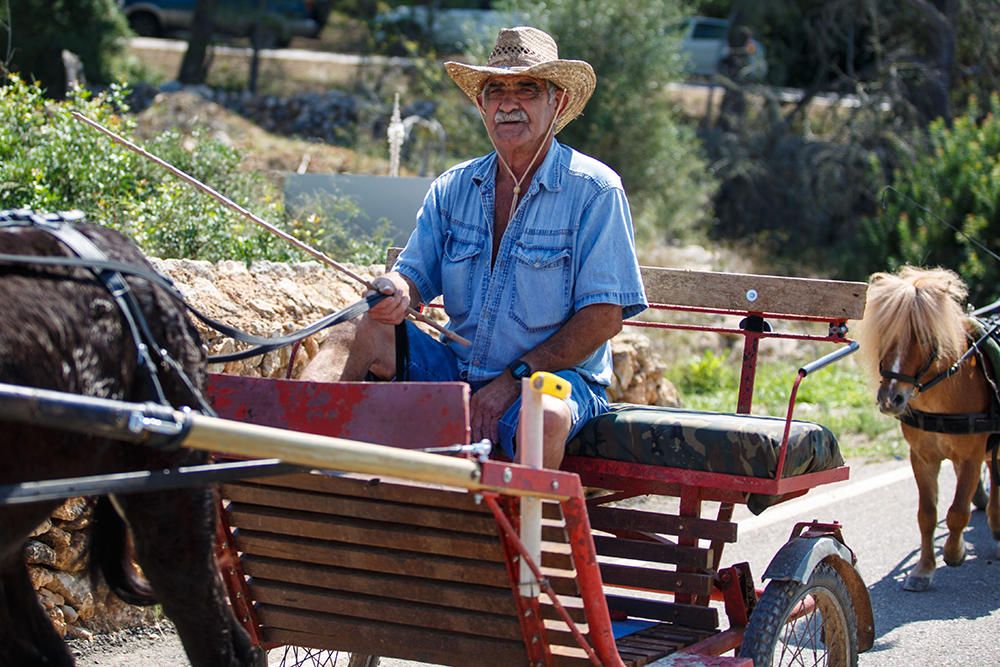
{"x":528,"y":51}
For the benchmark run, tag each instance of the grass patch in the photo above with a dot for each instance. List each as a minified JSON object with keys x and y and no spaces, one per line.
{"x":836,"y":396}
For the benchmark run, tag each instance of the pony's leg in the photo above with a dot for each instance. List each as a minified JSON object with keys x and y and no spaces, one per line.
{"x":174,"y":537}
{"x":27,"y":636}
{"x":926,"y":473}
{"x":967,"y":476}
{"x":993,"y":515}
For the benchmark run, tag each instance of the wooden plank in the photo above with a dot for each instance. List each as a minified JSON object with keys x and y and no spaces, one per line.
{"x":387,"y":561}
{"x":399,"y":491}
{"x":354,"y":410}
{"x":359,"y":508}
{"x":444,"y":593}
{"x":385,"y":639}
{"x":376,"y":608}
{"x":613,"y":574}
{"x":688,"y":615}
{"x":354,"y":531}
{"x":835,"y":299}
{"x":615,"y":519}
{"x":658,"y":552}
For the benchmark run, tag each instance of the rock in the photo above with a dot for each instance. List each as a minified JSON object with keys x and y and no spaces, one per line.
{"x":40,"y":576}
{"x":55,"y":614}
{"x":39,"y":553}
{"x":73,"y":556}
{"x":69,"y":614}
{"x":75,"y":590}
{"x":50,"y":599}
{"x":71,"y":510}
{"x":42,"y":528}
{"x":76,"y":632}
{"x":55,"y":537}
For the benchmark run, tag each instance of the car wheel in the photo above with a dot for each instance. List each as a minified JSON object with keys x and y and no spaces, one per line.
{"x":144,"y":24}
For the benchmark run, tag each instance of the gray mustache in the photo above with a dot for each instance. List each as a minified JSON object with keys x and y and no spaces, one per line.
{"x":516,"y":116}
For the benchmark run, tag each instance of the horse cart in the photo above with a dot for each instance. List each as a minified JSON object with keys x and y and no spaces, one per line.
{"x":377,"y":564}
{"x":366,"y":544}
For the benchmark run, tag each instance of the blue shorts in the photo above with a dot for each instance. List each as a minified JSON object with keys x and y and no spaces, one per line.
{"x":429,"y":360}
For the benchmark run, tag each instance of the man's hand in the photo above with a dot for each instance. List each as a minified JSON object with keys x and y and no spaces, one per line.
{"x":391,"y":310}
{"x":488,"y":405}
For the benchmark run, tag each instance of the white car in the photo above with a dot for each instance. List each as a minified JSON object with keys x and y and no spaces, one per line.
{"x":704,"y":44}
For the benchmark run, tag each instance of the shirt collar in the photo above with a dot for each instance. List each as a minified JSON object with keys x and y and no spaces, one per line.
{"x":548,"y":175}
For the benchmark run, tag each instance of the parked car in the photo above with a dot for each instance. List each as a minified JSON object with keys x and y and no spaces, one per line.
{"x":704,"y":43}
{"x":447,"y":30}
{"x":281,"y":19}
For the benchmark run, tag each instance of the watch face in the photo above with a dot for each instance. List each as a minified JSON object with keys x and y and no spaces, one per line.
{"x":520,"y":369}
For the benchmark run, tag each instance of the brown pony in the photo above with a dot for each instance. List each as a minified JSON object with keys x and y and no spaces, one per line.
{"x":913,"y":331}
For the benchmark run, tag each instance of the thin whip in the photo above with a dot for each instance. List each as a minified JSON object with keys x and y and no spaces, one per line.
{"x":229,"y":203}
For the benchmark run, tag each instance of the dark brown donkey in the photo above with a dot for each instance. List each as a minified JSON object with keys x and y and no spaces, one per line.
{"x":61,"y":329}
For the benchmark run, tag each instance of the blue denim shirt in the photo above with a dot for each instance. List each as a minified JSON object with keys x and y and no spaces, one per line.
{"x":570,"y":245}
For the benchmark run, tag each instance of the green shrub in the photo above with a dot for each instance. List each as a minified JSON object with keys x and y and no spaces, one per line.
{"x":940,"y":199}
{"x":35,"y":33}
{"x":49,"y":161}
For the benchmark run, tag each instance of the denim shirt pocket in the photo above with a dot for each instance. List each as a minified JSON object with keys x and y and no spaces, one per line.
{"x":458,"y":274}
{"x":540,"y":297}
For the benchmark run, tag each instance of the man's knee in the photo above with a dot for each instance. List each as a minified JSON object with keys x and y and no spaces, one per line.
{"x":556,"y":424}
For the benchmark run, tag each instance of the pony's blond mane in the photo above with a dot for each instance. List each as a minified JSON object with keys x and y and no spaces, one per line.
{"x":913,"y":306}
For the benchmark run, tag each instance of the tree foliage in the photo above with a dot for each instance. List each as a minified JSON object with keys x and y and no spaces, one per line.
{"x":51,"y":162}
{"x":37,"y":33}
{"x":943,"y":208}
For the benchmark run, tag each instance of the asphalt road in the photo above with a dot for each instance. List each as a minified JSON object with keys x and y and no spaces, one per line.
{"x":956,"y":622}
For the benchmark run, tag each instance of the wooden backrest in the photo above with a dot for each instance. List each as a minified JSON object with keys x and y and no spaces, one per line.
{"x":743,"y":292}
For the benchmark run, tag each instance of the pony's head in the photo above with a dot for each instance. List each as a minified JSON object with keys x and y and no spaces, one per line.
{"x":914,"y":327}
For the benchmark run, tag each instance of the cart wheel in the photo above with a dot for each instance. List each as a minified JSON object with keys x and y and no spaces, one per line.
{"x":826,"y":635}
{"x":982,"y":495}
{"x":300,"y":656}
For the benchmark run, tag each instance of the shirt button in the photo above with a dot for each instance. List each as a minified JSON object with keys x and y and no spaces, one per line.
{"x":537,"y":264}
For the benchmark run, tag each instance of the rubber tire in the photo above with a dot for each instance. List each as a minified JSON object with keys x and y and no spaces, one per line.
{"x":145,"y":24}
{"x":767,"y":635}
{"x":982,"y":496}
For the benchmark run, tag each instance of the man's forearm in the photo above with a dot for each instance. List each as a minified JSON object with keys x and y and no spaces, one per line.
{"x":576,"y":340}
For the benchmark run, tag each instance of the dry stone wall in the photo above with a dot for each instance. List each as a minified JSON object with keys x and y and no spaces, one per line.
{"x":266,"y":299}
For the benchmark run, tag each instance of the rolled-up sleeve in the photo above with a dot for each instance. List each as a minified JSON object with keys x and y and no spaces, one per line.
{"x":607,"y":270}
{"x":420,"y":260}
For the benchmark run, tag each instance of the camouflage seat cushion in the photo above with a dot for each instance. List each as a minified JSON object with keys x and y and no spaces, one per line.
{"x":710,"y":441}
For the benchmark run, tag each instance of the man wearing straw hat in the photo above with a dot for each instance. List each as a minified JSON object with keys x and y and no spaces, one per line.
{"x":531,"y":247}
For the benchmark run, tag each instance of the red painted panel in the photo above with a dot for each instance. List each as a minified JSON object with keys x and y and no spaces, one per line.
{"x":411,"y":415}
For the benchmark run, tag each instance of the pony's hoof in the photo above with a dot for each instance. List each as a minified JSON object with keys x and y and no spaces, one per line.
{"x":916,"y":583}
{"x":955,"y":562}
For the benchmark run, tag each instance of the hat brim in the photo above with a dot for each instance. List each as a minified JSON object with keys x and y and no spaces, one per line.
{"x":576,"y":77}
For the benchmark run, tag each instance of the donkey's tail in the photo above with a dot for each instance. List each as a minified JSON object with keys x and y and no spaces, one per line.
{"x":111,"y":554}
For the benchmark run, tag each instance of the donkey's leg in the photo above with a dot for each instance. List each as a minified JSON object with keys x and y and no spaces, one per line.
{"x":926,"y":474}
{"x":175,"y":546}
{"x":967,"y":476}
{"x":27,"y":636}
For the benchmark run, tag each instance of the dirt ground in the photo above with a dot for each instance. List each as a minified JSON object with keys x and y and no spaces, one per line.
{"x":159,"y":646}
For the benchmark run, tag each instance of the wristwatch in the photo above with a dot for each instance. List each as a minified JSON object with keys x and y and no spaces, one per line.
{"x":520,"y":369}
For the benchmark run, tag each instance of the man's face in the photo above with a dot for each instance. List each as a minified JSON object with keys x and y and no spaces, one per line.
{"x":518,"y":110}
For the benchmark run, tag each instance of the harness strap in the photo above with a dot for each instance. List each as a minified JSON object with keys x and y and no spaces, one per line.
{"x":119,"y":289}
{"x":264,"y":344}
{"x":939,"y":422}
